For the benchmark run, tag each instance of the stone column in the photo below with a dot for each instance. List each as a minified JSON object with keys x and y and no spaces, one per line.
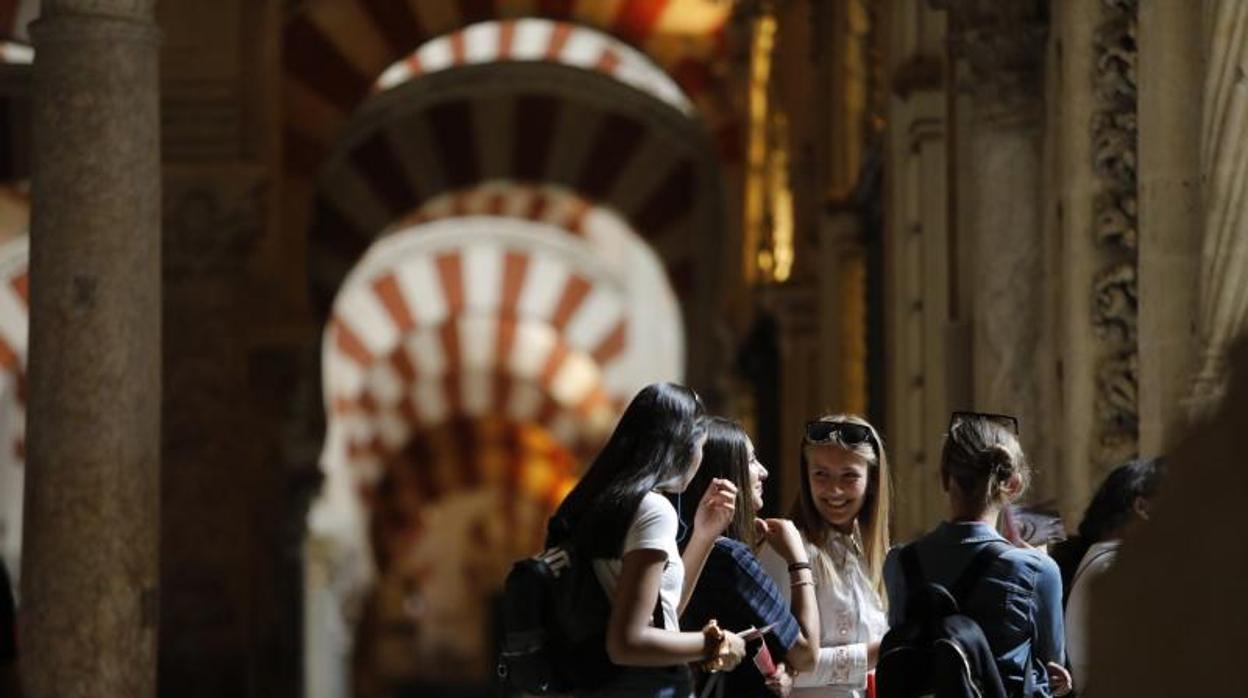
{"x":999,"y":49}
{"x":925,"y":334}
{"x":1088,"y":98}
{"x":842,"y":313}
{"x":1170,"y":74}
{"x":1223,"y":309}
{"x":90,"y":600}
{"x":795,"y":306}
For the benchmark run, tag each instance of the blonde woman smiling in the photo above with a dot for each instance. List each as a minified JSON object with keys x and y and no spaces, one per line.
{"x":842,"y":514}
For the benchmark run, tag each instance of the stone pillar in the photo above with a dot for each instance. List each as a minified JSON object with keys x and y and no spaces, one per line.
{"x":795,"y":306}
{"x":1223,"y":310}
{"x":90,"y":600}
{"x":999,"y":49}
{"x":1081,"y":209}
{"x":925,"y":335}
{"x":842,"y":313}
{"x":1170,"y":75}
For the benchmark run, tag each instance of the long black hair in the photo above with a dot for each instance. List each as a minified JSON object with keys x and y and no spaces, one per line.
{"x":726,"y":455}
{"x":652,"y":445}
{"x":1110,"y":508}
{"x":1114,"y":500}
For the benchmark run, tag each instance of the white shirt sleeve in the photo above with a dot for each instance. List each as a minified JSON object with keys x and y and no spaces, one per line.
{"x":843,"y":665}
{"x":654,"y":526}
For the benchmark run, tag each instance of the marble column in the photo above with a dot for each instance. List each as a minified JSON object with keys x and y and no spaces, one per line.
{"x":999,"y":48}
{"x":90,"y":600}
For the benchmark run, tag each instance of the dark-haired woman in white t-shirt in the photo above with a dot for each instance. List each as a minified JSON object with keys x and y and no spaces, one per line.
{"x":617,"y":516}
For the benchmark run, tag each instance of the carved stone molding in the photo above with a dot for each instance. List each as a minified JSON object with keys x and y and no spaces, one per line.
{"x":1002,"y":44}
{"x":1115,"y":293}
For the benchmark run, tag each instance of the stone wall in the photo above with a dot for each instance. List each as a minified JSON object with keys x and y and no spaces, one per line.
{"x":235,"y":350}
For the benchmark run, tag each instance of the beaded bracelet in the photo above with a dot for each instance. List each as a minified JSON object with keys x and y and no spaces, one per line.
{"x":798,"y":566}
{"x":802,"y":583}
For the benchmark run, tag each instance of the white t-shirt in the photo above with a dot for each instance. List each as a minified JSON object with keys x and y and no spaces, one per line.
{"x":1096,"y":562}
{"x":653,"y":528}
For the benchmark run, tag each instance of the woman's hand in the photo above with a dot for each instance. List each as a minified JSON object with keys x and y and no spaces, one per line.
{"x":733,"y":652}
{"x":782,"y":535}
{"x":726,"y":649}
{"x":1059,"y":679}
{"x":716,"y":509}
{"x":781,"y":682}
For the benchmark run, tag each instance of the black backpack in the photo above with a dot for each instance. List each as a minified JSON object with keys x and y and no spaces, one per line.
{"x":555,"y":616}
{"x":938,"y":650}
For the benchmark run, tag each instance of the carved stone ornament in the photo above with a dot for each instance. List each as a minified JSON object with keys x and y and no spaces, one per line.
{"x":1115,"y":294}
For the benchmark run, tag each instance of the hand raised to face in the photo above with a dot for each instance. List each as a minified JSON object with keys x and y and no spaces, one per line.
{"x":717,"y":507}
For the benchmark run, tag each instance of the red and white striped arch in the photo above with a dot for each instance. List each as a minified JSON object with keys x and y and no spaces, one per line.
{"x":543,"y":203}
{"x":15,"y":17}
{"x":547,"y":203}
{"x":532,"y":39}
{"x":618,"y":247}
{"x":334,"y":50}
{"x":653,"y":167}
{"x":14,"y":321}
{"x":481,"y":316}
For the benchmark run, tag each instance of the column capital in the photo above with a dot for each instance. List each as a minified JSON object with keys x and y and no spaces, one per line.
{"x":1002,"y":46}
{"x":80,"y":21}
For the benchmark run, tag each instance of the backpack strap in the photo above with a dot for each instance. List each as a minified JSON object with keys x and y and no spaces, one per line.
{"x":975,"y":569}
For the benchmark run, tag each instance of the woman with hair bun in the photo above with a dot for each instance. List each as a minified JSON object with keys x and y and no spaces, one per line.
{"x":1017,"y":602}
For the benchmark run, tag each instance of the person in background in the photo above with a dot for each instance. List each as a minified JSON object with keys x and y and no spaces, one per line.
{"x":1018,"y":602}
{"x":842,"y":514}
{"x":734,"y":588}
{"x":1120,"y":505}
{"x":618,"y":516}
{"x":1038,"y":525}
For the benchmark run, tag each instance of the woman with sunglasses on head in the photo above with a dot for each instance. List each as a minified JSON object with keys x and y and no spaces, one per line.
{"x":618,"y":516}
{"x":735,"y":589}
{"x":842,"y":513}
{"x":1017,"y":601}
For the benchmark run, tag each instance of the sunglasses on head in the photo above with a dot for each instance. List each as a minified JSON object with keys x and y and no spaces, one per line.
{"x":1004,"y":420}
{"x":822,"y":431}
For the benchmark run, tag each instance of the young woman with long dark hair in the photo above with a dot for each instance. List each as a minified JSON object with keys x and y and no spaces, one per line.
{"x":618,"y":516}
{"x":1018,"y":600}
{"x":1120,"y":505}
{"x":734,"y":587}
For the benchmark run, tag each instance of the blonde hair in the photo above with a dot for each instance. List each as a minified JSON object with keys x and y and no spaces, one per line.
{"x":872,"y":519}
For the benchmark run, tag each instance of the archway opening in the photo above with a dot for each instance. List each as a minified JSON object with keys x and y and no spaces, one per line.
{"x":472,"y":365}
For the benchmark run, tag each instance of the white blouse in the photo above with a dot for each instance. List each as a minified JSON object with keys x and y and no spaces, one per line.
{"x":851,"y":616}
